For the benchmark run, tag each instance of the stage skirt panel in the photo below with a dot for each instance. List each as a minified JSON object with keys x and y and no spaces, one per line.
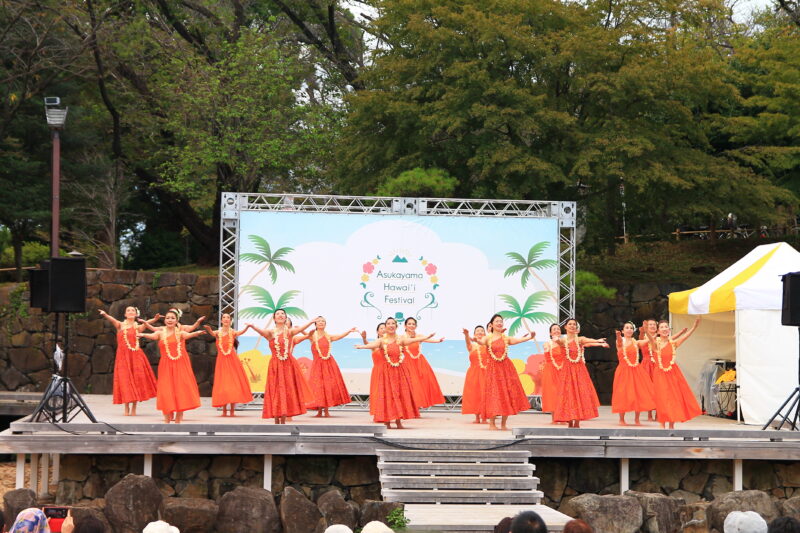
{"x":287,"y":392}
{"x":475,"y":382}
{"x":394,"y":396}
{"x":551,"y":376}
{"x":675,"y":401}
{"x":327,"y":384}
{"x":230,"y":381}
{"x":503,"y":393}
{"x":633,"y":389}
{"x":578,"y":399}
{"x":134,"y":380}
{"x":428,"y":389}
{"x":177,"y":386}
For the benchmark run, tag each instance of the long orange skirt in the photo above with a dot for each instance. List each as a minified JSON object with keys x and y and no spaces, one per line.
{"x":675,"y":401}
{"x":177,"y":386}
{"x":377,"y":361}
{"x":472,"y":399}
{"x":134,"y":380}
{"x":394,"y":396}
{"x":327,"y":384}
{"x":230,"y":381}
{"x":551,"y":377}
{"x":429,"y":391}
{"x":647,"y":362}
{"x":285,"y":393}
{"x":633,"y":389}
{"x":578,"y":399}
{"x":503,"y":393}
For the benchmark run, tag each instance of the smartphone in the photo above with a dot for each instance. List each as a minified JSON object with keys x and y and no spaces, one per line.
{"x":55,"y":516}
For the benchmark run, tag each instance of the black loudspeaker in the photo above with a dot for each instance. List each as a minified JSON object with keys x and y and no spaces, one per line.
{"x":40,"y":286}
{"x":790,"y":315}
{"x":67,"y":285}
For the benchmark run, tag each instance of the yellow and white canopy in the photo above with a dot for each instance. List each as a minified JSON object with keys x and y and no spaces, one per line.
{"x":752,"y":282}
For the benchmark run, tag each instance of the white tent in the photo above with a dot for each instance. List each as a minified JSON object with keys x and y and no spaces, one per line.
{"x":741,"y":321}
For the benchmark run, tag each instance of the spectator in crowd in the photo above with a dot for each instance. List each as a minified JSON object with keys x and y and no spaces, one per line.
{"x":376,"y":527}
{"x":528,"y":522}
{"x":504,"y":526}
{"x":160,"y":527}
{"x":338,"y":528}
{"x":88,"y":524}
{"x":577,"y":526}
{"x":784,"y":524}
{"x":744,"y":522}
{"x":30,"y":520}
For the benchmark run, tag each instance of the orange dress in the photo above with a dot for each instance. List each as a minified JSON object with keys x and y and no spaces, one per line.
{"x":287,"y":392}
{"x":230,"y":381}
{"x":551,"y":375}
{"x":428,"y":388}
{"x":134,"y":380}
{"x":394,"y":396}
{"x":503,"y":393}
{"x":578,"y":399}
{"x":377,"y":362}
{"x":633,"y":388}
{"x":647,"y":360}
{"x":474,"y":382}
{"x":177,"y":386}
{"x":327,"y":384}
{"x":675,"y":401}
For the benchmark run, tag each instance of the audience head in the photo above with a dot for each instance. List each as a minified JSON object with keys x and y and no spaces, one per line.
{"x":577,"y":526}
{"x":160,"y":527}
{"x":504,"y":526}
{"x":338,"y":528}
{"x":89,"y":524}
{"x":376,"y":527}
{"x":30,"y":520}
{"x":744,"y":522}
{"x":528,"y":522}
{"x":784,"y":524}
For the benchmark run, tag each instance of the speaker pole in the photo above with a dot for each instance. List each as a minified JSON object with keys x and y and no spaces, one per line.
{"x":64,"y":373}
{"x":793,"y":401}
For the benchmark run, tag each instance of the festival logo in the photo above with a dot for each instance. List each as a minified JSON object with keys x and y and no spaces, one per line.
{"x":399,"y":288}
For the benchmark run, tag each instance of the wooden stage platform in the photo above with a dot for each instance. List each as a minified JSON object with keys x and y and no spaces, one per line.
{"x":350,"y":431}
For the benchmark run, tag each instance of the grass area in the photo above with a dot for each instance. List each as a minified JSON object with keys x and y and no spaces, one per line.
{"x":200,"y":270}
{"x":692,"y":261}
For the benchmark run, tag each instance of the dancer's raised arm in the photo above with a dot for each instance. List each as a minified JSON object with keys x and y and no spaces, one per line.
{"x":680,"y":339}
{"x":341,"y":336}
{"x":116,"y":323}
{"x":295,"y":331}
{"x":267,"y":334}
{"x":369,"y":345}
{"x":406,"y":341}
{"x":467,"y":339}
{"x":193,"y":326}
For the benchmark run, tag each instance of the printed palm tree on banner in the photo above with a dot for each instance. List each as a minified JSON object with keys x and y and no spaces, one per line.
{"x":520,"y":313}
{"x":269,"y":305}
{"x":269,"y":259}
{"x":530,"y":264}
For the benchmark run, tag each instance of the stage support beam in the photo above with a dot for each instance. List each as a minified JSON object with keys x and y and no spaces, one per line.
{"x":45,"y":474}
{"x":20,"y":482}
{"x":737,"y":474}
{"x":624,"y":475}
{"x":34,"y":482}
{"x":56,"y":468}
{"x":147,"y":470}
{"x":268,"y":471}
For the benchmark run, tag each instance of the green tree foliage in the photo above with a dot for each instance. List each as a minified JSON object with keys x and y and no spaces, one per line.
{"x":420,"y":182}
{"x":541,"y":99}
{"x":589,"y":290}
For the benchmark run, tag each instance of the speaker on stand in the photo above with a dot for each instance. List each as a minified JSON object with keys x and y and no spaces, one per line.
{"x":790,"y":316}
{"x":59,"y":286}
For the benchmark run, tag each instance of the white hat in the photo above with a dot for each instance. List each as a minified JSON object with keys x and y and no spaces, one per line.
{"x":744,"y":522}
{"x":376,"y":527}
{"x":338,"y":528}
{"x":160,"y":527}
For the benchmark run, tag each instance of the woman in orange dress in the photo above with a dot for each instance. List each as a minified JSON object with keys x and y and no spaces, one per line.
{"x":327,"y":384}
{"x":286,"y":393}
{"x":134,"y":380}
{"x":633,"y":388}
{"x":649,"y":326}
{"x":230,"y":382}
{"x":675,"y":401}
{"x":429,"y":391}
{"x":503,"y":393}
{"x":377,"y":359}
{"x":176,"y":387}
{"x":394,"y":398}
{"x":578,"y":399}
{"x":472,"y":401}
{"x":551,"y":373}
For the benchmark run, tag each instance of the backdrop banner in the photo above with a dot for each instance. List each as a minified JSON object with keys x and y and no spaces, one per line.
{"x":449,"y":273}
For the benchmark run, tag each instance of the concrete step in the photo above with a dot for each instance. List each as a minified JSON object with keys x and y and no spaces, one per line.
{"x":454,"y":456}
{"x":456,"y":469}
{"x":459,"y":482}
{"x":462,"y":496}
{"x":473,"y":518}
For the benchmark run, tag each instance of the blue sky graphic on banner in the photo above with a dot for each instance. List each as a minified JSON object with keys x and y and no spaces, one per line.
{"x":357,"y":270}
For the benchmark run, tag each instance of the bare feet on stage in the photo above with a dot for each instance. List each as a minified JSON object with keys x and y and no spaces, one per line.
{"x":322,"y":413}
{"x":281,"y":419}
{"x":622,"y":420}
{"x":397,"y":422}
{"x":173,"y":417}
{"x":493,"y":424}
{"x":478,"y":420}
{"x":664,"y":425}
{"x":130,"y":409}
{"x":636,"y":421}
{"x":651,"y":416}
{"x":574,"y":424}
